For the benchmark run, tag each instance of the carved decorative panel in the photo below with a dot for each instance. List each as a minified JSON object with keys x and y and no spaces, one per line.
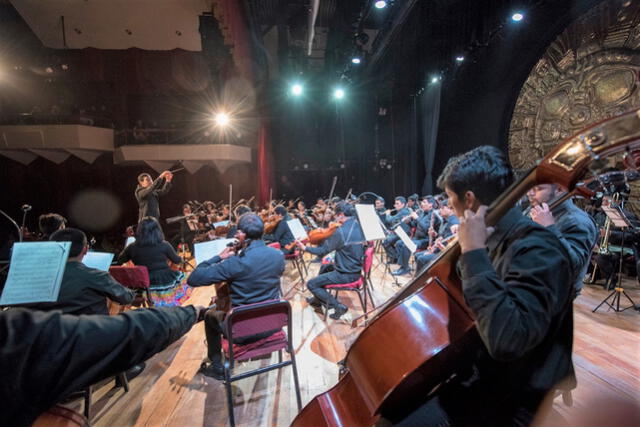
{"x":589,"y":73}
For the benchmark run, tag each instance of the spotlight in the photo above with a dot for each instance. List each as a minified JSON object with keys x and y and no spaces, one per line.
{"x":222,"y":119}
{"x":459,"y":58}
{"x":435,"y":79}
{"x":338,"y":93}
{"x":380,"y":4}
{"x":296,"y":89}
{"x":356,"y":60}
{"x":517,"y":17}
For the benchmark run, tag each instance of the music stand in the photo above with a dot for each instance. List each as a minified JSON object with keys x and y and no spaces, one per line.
{"x":183,"y":242}
{"x":619,"y":220}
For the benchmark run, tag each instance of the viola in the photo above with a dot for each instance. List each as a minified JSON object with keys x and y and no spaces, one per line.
{"x":428,"y":319}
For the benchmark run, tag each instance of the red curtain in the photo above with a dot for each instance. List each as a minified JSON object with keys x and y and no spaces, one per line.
{"x":265,"y":171}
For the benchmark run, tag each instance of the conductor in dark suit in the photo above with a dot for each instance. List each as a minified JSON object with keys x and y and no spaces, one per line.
{"x":148,"y":191}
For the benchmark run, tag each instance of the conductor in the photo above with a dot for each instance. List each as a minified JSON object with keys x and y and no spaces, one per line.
{"x":148,"y":191}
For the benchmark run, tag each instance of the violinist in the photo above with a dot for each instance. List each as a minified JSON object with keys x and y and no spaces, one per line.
{"x":252,"y":271}
{"x":575,"y":228}
{"x":188,"y":228}
{"x":282,"y":233}
{"x":401,"y":218}
{"x":516,"y":280}
{"x":426,"y":222}
{"x":50,"y":223}
{"x":348,"y":243}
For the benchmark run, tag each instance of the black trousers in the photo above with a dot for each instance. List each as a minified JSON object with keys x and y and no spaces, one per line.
{"x":328,"y":275}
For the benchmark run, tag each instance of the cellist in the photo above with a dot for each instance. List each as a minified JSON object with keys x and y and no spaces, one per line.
{"x":348,"y":243}
{"x":517,"y":280}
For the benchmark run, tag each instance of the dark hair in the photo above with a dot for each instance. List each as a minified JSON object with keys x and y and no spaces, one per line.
{"x":431,"y":200}
{"x":48,"y":223}
{"x":484,"y":170}
{"x":142,"y":175}
{"x":149,"y":232}
{"x":401,"y":199}
{"x":241,"y":210}
{"x":381,"y":199}
{"x":77,"y":238}
{"x":280,"y":210}
{"x":345,"y":208}
{"x":413,"y":197}
{"x":251,"y":225}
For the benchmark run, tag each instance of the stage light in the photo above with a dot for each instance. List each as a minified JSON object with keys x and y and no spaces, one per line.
{"x":517,"y":17}
{"x":296,"y":89}
{"x":380,"y":4}
{"x":356,"y":60}
{"x":459,"y":58}
{"x":222,"y":119}
{"x":435,"y":79}
{"x":338,"y":93}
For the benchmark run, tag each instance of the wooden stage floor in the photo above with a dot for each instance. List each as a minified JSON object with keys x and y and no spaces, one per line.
{"x":170,"y":392}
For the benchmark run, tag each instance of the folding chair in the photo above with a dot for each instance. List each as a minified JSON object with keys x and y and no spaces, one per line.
{"x":361,"y":286}
{"x":253,"y":319}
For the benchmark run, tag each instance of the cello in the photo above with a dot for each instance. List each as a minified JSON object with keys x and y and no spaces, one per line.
{"x":429,"y":319}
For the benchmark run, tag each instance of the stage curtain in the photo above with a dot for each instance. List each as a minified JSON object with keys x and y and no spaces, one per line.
{"x":429,"y":119}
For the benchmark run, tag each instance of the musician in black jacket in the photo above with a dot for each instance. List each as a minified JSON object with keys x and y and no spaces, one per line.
{"x":427,"y":219}
{"x":148,"y":191}
{"x":516,"y":281}
{"x":282,"y":233}
{"x":348,"y":243}
{"x":253,"y":275}
{"x":400,"y":218}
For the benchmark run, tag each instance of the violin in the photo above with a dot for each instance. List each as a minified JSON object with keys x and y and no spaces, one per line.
{"x":429,"y":318}
{"x":319,"y":235}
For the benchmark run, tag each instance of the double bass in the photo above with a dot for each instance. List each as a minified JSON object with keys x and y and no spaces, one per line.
{"x":428,"y":321}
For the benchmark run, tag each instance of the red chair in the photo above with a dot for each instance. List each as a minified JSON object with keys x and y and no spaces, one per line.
{"x":253,"y":319}
{"x":362,"y":286}
{"x":296,"y":259}
{"x":136,"y":278}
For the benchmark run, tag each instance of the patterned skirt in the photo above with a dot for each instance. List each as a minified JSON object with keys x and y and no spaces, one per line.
{"x":171,"y":294}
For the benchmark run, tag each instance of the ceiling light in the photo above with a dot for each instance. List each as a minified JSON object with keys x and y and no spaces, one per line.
{"x":338,"y":93}
{"x":380,"y":4}
{"x":356,"y":60}
{"x":517,"y":17}
{"x":222,"y":119}
{"x":296,"y":89}
{"x":459,"y":58}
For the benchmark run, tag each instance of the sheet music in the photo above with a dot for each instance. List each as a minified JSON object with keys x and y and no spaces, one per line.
{"x":35,"y":273}
{"x":370,"y":222}
{"x":98,"y":260}
{"x":207,"y":250}
{"x":129,"y":241}
{"x":405,"y":239}
{"x":220,"y":224}
{"x":297,"y":229}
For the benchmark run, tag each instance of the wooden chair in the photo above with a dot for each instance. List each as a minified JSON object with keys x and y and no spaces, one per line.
{"x":254,"y":319}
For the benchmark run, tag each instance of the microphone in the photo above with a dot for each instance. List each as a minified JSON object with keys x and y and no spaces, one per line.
{"x":26,"y":207}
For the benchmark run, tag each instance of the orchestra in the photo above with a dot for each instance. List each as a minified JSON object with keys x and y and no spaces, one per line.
{"x":562,"y":221}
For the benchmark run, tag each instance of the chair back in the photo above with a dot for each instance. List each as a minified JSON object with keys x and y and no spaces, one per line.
{"x":255,"y":318}
{"x":136,"y":277}
{"x":368,"y":260}
{"x":274,"y":245}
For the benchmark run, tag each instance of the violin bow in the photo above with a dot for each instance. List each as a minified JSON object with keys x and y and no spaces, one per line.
{"x":333,"y":187}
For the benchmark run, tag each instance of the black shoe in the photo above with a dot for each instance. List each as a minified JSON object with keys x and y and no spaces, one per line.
{"x":401,"y":272}
{"x":131,"y":373}
{"x":314,"y":302}
{"x":213,"y":370}
{"x":338,"y":311}
{"x":392,"y":261}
